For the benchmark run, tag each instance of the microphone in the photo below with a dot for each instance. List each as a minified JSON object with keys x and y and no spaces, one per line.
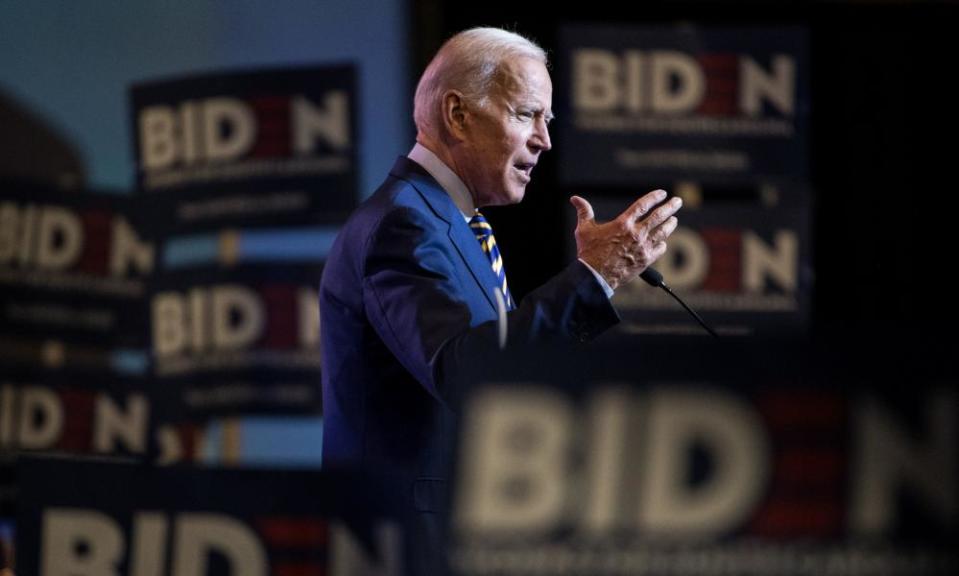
{"x":652,"y":277}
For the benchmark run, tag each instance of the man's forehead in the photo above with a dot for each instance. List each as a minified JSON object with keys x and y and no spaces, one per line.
{"x":525,"y":78}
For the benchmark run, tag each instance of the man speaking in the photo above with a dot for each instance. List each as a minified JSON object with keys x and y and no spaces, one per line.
{"x":415,"y":281}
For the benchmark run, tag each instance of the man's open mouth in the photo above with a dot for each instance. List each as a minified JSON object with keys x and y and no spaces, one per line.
{"x":525,"y":167}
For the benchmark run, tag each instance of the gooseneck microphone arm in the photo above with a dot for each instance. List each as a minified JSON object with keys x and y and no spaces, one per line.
{"x":652,"y":277}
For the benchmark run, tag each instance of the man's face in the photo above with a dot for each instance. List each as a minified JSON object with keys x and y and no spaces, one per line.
{"x":504,"y":138}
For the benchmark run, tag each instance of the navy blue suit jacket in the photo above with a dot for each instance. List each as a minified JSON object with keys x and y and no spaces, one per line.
{"x":407,"y":291}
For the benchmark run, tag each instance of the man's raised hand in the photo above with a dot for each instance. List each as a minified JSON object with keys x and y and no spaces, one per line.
{"x":619,"y":250}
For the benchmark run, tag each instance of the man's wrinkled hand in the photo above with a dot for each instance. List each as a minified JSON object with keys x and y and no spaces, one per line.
{"x":621,"y":249}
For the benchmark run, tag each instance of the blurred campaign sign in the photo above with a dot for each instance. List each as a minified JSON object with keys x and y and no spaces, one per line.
{"x":114,"y":518}
{"x":89,"y":411}
{"x":236,"y":341}
{"x":746,"y":268}
{"x":75,"y":271}
{"x":74,"y":266}
{"x":661,"y":103}
{"x":669,"y":456}
{"x":247,"y":176}
{"x":76,"y":413}
{"x":276,"y":144}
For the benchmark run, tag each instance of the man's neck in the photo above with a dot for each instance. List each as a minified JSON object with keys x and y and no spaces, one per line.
{"x":445,"y":176}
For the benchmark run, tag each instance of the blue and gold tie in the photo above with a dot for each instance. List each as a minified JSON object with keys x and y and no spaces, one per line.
{"x":484,"y":233}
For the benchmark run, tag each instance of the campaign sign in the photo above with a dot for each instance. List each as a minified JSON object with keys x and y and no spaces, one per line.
{"x":662,"y":103}
{"x":70,"y":412}
{"x":746,"y":269}
{"x":75,"y":269}
{"x":134,"y":520}
{"x":74,"y":266}
{"x":108,"y":416}
{"x":237,"y":341}
{"x":275,"y":144}
{"x":683,"y":456}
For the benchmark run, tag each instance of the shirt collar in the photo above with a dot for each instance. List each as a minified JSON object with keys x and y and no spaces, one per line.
{"x":448,"y":179}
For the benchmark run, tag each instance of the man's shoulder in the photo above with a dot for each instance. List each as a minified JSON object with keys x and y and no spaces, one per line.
{"x":395,"y":198}
{"x":398,"y":203}
{"x":408,"y":192}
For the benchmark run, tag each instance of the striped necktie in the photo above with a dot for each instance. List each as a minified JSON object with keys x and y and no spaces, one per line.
{"x":484,"y":233}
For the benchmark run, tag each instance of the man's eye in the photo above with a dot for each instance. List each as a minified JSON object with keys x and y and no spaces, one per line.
{"x":525,"y":115}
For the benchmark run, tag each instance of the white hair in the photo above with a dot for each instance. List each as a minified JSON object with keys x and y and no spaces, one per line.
{"x":468,"y":62}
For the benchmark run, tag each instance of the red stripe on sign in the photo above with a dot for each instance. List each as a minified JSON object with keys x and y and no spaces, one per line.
{"x":722,"y":84}
{"x":725,"y":266}
{"x":95,"y":256}
{"x":281,"y":320}
{"x":273,"y":126}
{"x":285,"y":532}
{"x":812,"y":465}
{"x":807,"y":479}
{"x":77,"y":435}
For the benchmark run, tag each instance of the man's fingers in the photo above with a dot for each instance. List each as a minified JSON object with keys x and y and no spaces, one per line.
{"x":662,"y":232}
{"x":658,"y":250}
{"x":640,"y":207}
{"x":661,"y":214}
{"x":584,"y":211}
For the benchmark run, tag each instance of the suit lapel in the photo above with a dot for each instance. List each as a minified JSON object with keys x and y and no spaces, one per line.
{"x":460,"y":235}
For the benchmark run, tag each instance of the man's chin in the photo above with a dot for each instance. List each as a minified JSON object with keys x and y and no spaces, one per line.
{"x":506,"y":197}
{"x":516,"y":195}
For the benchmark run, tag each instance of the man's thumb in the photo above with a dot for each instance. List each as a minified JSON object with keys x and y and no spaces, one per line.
{"x":584,"y":212}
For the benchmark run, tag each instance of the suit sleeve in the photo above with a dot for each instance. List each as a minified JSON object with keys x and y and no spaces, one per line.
{"x":412,"y":296}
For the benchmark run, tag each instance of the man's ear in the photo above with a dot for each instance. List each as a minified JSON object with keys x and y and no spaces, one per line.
{"x":454,"y":114}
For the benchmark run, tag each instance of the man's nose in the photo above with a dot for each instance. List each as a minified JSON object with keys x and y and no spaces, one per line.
{"x":540,"y":141}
